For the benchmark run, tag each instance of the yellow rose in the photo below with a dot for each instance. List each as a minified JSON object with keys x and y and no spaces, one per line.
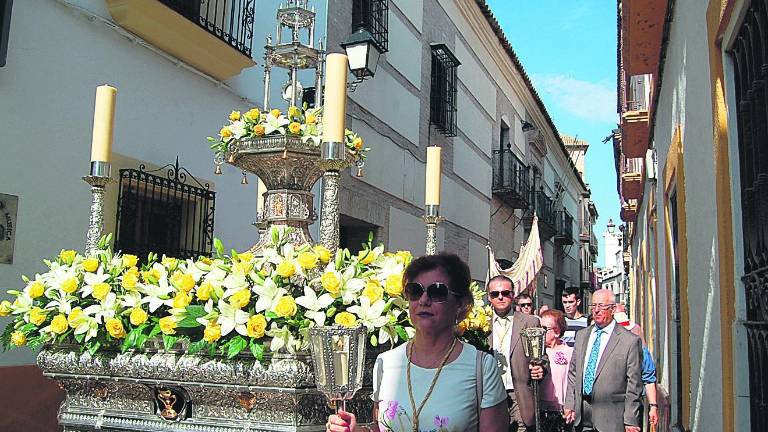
{"x":243,"y":267}
{"x":5,"y":308}
{"x":67,"y":256}
{"x":307,"y":260}
{"x":258,"y":130}
{"x":293,"y":111}
{"x":241,"y":298}
{"x":331,"y":282}
{"x":187,"y":282}
{"x":323,"y":254}
{"x":130,"y":280}
{"x":294,"y":128}
{"x":462,"y":327}
{"x":205,"y":290}
{"x":115,"y":328}
{"x":286,"y":269}
{"x":311,"y":119}
{"x":253,"y":114}
{"x":36,"y":289}
{"x":225,"y":132}
{"x":181,"y":300}
{"x":286,"y":307}
{"x":130,"y":260}
{"x":345,"y":319}
{"x":212,"y":332}
{"x":366,"y":256}
{"x":245,"y":257}
{"x":275,"y":112}
{"x":59,"y":324}
{"x":18,"y":338}
{"x":394,"y":284}
{"x":403,"y":257}
{"x":151,"y":276}
{"x":256,"y":326}
{"x":37,"y":316}
{"x":176,"y":278}
{"x":74,"y":317}
{"x":90,"y":264}
{"x":234,"y":115}
{"x":169,"y":262}
{"x":358,"y":143}
{"x":373,"y":291}
{"x":100,"y":290}
{"x":69,"y":285}
{"x":168,"y":325}
{"x":206,"y":260}
{"x":138,"y":316}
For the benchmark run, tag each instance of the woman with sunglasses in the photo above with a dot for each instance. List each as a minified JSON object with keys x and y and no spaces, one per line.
{"x":554,"y":384}
{"x":434,"y":382}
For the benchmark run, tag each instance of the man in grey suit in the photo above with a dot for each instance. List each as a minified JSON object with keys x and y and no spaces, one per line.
{"x":516,"y":371}
{"x":604,"y":378}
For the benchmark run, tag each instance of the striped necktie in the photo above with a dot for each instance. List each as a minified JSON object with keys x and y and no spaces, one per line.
{"x":589,"y":375}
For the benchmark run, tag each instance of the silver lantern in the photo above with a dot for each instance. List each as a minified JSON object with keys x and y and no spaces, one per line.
{"x":534,"y":339}
{"x":338,"y":354}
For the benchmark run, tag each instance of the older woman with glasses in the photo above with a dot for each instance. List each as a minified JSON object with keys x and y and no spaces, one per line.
{"x":434,"y":382}
{"x":554,"y":384}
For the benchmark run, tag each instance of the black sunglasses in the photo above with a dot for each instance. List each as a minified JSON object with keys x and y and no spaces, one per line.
{"x":505,"y":293}
{"x":525,"y":304}
{"x":438,"y":292}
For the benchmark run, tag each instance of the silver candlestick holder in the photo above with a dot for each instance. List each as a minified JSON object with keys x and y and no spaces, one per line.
{"x":432,"y":218}
{"x":333,"y":159}
{"x":98,"y":178}
{"x":338,"y":354}
{"x":534,"y":339}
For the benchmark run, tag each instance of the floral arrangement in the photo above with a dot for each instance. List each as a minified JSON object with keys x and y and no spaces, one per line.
{"x":304,"y":122}
{"x":225,"y":304}
{"x":476,"y":327}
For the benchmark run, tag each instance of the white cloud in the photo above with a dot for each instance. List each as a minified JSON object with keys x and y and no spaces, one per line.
{"x":586,"y":100}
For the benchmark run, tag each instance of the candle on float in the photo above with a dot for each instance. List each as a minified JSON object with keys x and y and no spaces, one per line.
{"x":335,"y":97}
{"x":103,"y":123}
{"x":341,"y":367}
{"x":432,"y":195}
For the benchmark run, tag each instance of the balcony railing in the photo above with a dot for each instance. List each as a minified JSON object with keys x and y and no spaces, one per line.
{"x":511,"y":179}
{"x":545,"y":210}
{"x":229,"y":20}
{"x":593,"y":246}
{"x":639,"y":93}
{"x":631,"y":177}
{"x":564,"y":228}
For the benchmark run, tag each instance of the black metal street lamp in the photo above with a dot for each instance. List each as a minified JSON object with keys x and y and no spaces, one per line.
{"x":363,"y":52}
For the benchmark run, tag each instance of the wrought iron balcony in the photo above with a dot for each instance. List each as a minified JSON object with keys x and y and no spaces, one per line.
{"x":593,"y":246}
{"x":511,"y":179}
{"x":564,"y":228}
{"x":214,"y":36}
{"x":545,"y":210}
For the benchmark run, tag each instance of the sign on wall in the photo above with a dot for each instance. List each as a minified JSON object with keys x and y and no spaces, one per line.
{"x":9,"y":204}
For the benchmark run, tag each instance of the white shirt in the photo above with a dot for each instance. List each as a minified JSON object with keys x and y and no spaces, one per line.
{"x":502,"y":345}
{"x":452,"y":405}
{"x":607,"y":332}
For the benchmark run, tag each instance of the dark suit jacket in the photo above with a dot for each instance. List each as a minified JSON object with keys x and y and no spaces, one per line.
{"x":519,"y":366}
{"x":617,"y":390}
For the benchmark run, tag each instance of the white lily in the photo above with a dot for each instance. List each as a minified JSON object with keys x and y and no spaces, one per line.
{"x":269,"y":294}
{"x":234,"y":283}
{"x":157,"y":295}
{"x":281,"y":338}
{"x":388,"y":266}
{"x":88,"y":326}
{"x":104,"y":309}
{"x":58,"y":275}
{"x":192,"y":268}
{"x":370,"y":315}
{"x":237,"y":128}
{"x":350,"y":285}
{"x":315,"y":305}
{"x":130,"y":300}
{"x":275,"y":124}
{"x":61,"y":301}
{"x":90,"y":280}
{"x":232,"y":318}
{"x":22,"y":304}
{"x":210,"y":316}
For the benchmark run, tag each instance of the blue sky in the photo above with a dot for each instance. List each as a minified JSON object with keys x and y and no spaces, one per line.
{"x":568,"y":49}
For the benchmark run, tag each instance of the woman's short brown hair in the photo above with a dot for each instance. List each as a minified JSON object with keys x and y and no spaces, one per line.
{"x":453,"y":266}
{"x":559,"y":319}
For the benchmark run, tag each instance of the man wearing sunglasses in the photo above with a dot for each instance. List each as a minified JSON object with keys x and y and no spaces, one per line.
{"x":525,"y":303}
{"x":604,"y":377}
{"x":516,"y":371}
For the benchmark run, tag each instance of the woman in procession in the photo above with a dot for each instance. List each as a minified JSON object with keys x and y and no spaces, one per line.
{"x":554,"y":384}
{"x":411,"y":381}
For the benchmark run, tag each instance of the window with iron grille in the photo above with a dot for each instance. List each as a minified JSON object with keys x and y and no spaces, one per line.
{"x":442,"y":109}
{"x":371,"y":15}
{"x":164,"y":214}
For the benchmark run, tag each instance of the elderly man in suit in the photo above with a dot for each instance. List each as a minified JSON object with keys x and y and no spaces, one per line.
{"x":517,"y":372}
{"x":604,"y":378}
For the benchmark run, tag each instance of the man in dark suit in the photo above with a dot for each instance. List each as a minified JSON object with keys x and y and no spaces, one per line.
{"x":604,"y":379}
{"x":517,"y":372}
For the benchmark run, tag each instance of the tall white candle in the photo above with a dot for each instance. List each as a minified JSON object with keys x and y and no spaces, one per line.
{"x":335,"y":97}
{"x":103,"y":123}
{"x":432,"y":191}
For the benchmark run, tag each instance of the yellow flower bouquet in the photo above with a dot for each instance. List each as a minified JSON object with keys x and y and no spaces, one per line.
{"x":304,"y":122}
{"x":223,"y":304}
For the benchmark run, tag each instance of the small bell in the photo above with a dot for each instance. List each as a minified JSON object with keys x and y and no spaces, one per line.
{"x":359,"y":171}
{"x":285,"y":154}
{"x":244,"y":181}
{"x":217,"y":171}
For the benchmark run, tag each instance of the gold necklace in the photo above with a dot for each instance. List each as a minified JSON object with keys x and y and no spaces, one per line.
{"x":417,"y":411}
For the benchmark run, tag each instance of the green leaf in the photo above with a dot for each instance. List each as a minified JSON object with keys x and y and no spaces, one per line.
{"x":93,"y":347}
{"x":36,"y":341}
{"x":236,"y":345}
{"x":401,"y":332}
{"x":155,"y":331}
{"x":196,"y":347}
{"x":79,"y":337}
{"x":218,"y":247}
{"x":271,"y":315}
{"x":275,"y":236}
{"x":169,"y":341}
{"x":211,"y":349}
{"x":131,"y":337}
{"x":257,"y":349}
{"x":193,"y":313}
